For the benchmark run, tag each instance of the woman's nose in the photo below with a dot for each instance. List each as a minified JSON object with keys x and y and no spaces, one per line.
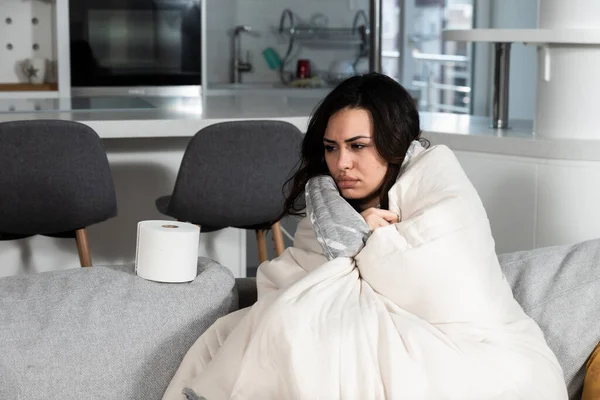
{"x":344,"y":160}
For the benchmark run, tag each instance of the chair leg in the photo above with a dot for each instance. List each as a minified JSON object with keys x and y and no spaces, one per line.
{"x":277,"y":238}
{"x":261,"y":243}
{"x":83,"y":248}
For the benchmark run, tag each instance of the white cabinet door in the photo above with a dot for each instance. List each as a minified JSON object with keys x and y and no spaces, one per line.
{"x":568,"y":202}
{"x":507,"y":187}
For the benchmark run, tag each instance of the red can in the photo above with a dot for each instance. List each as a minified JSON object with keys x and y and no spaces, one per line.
{"x":303,"y":69}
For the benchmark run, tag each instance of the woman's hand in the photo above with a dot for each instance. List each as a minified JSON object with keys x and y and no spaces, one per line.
{"x":375,"y":217}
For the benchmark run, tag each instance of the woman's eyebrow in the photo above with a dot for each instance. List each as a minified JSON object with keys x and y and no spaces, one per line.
{"x":352,"y":139}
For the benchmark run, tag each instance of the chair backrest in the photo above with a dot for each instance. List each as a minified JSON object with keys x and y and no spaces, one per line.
{"x":232,"y":173}
{"x":54,"y":177}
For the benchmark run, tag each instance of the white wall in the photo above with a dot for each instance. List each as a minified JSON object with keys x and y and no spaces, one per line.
{"x":220,"y":18}
{"x":533,"y":203}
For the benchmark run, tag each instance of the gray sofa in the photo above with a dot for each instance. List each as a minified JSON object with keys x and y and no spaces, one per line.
{"x":104,"y":333}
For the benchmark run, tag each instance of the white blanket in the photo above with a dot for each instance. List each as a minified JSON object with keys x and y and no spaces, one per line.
{"x":422,"y":312}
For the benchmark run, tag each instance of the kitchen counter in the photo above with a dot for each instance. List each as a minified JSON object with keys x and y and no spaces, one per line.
{"x":120,"y":118}
{"x":125,"y":117}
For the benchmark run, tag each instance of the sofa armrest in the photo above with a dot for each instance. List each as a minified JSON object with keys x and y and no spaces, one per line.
{"x":103,"y":332}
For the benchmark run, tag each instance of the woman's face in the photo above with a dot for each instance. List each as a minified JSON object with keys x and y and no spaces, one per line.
{"x":351,"y":156}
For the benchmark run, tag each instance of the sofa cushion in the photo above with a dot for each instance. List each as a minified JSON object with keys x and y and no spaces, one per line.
{"x":103,"y":332}
{"x":559,"y":287}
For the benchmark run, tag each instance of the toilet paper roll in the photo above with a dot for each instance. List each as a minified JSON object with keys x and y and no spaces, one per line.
{"x":167,"y":251}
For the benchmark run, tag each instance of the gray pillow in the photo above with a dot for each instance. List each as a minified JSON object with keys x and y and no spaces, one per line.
{"x":559,"y":287}
{"x":103,"y":332}
{"x":340,"y":229}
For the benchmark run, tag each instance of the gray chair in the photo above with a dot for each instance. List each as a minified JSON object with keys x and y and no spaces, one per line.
{"x":232,"y":175}
{"x":54,"y":181}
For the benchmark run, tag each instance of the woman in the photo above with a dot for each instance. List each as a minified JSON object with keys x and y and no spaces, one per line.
{"x":392,"y":289}
{"x":340,"y":142}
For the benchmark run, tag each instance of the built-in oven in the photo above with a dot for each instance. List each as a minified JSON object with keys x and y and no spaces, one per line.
{"x":136,"y":47}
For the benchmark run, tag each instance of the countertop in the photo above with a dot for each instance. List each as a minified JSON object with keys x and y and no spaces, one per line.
{"x":136,"y":117}
{"x":122,"y":118}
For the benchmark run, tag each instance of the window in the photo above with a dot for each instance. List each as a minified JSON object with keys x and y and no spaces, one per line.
{"x":438,"y":73}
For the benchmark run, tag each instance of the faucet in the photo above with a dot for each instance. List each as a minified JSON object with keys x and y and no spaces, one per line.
{"x":357,"y":16}
{"x":286,"y":13}
{"x":363,"y":31}
{"x":237,"y":64}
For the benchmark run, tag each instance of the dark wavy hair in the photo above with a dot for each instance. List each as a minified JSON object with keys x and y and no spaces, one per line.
{"x":395,"y":125}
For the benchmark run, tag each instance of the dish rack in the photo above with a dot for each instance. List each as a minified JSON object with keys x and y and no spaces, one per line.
{"x":319,"y":35}
{"x":328,"y":37}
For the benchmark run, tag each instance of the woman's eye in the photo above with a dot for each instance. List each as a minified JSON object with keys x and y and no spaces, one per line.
{"x":329,"y":149}
{"x":358,"y":146}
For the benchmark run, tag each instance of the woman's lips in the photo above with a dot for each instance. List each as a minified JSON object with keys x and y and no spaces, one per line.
{"x":347,"y":183}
